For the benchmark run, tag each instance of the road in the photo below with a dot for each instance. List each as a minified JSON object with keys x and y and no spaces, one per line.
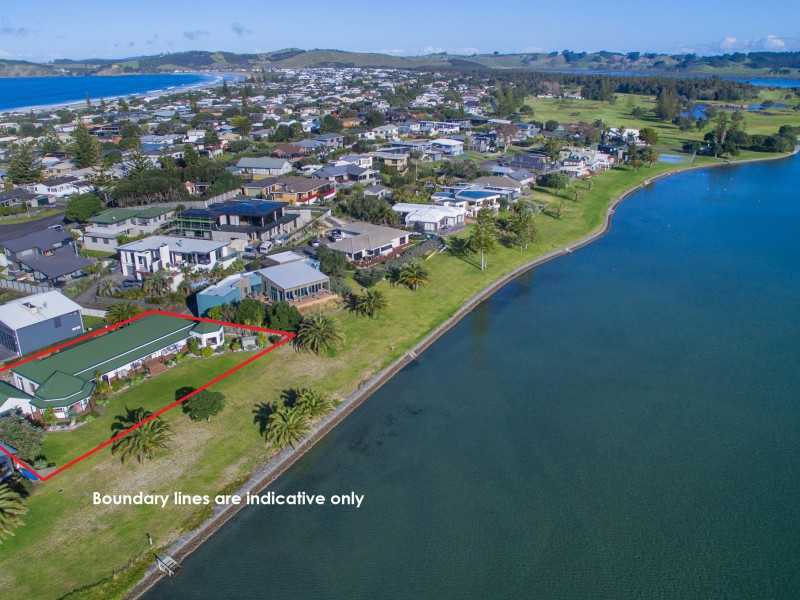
{"x":8,"y":232}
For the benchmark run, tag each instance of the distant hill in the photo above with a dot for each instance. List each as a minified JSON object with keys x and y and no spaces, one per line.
{"x":23,"y":68}
{"x":756,"y":63}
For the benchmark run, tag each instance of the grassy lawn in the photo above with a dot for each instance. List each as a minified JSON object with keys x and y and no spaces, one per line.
{"x":34,"y":216}
{"x":92,"y":322}
{"x":97,"y":254}
{"x":68,"y":543}
{"x":670,"y":138}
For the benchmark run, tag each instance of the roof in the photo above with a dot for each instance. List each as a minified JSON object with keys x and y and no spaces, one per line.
{"x":110,"y":351}
{"x":224,"y":287}
{"x":30,"y":310}
{"x":300,"y":185}
{"x":115,"y":215}
{"x":9,"y":391}
{"x":292,"y":275}
{"x":203,"y":327}
{"x":498,"y":181}
{"x":286,"y":257}
{"x":44,"y":240}
{"x":264,"y":162}
{"x":62,"y":389}
{"x":250,"y":207}
{"x":62,"y":262}
{"x":182,"y":245}
{"x":427,"y":212}
{"x":368,"y":237}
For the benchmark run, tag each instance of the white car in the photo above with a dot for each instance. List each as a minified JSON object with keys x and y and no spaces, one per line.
{"x":266,"y":247}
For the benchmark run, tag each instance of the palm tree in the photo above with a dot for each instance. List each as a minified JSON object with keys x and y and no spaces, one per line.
{"x":648,"y":155}
{"x":287,"y":426}
{"x":318,"y":333}
{"x":313,"y":403}
{"x":108,"y":286}
{"x":157,"y":284}
{"x":122,"y":312}
{"x":413,"y":274}
{"x":143,"y":441}
{"x":636,"y":163}
{"x":483,"y":237}
{"x":11,"y":508}
{"x":371,"y":303}
{"x":521,"y":223}
{"x":552,"y":148}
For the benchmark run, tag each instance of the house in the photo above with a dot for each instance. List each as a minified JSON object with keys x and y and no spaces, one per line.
{"x":294,"y":282}
{"x":239,"y":218}
{"x":230,"y":290}
{"x":290,"y":277}
{"x":378,"y":191}
{"x":103,"y":229}
{"x":30,"y":323}
{"x":431,"y":218}
{"x":60,"y":187}
{"x":253,"y":169}
{"x":448,"y":148}
{"x":21,"y":196}
{"x":300,"y":190}
{"x":290,"y":151}
{"x":363,"y":241}
{"x":395,"y":160}
{"x":348,"y":173}
{"x":65,"y":381}
{"x":46,"y":256}
{"x":331,"y":141}
{"x":387,"y":132}
{"x":161,"y":252}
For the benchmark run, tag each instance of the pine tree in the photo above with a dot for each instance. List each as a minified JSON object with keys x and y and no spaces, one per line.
{"x":24,"y":167}
{"x":85,"y":149}
{"x":51,"y":143}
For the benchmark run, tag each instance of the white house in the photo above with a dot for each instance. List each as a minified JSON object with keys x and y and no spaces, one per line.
{"x":160,"y":252}
{"x":430,"y":218}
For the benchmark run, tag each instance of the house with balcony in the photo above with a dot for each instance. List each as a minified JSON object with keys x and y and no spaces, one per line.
{"x":447,"y":147}
{"x":237,"y":219}
{"x":431,"y":218}
{"x":158,"y":252}
{"x":46,"y":256}
{"x":60,"y":187}
{"x":104,"y":229}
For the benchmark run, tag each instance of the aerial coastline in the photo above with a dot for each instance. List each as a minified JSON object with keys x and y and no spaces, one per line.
{"x":283,"y":460}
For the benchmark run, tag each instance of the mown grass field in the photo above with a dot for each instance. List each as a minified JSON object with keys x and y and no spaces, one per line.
{"x":67,"y":543}
{"x":670,"y":138}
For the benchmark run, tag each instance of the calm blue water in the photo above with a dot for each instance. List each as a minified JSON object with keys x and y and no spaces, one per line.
{"x":24,"y":92}
{"x":622,"y":422}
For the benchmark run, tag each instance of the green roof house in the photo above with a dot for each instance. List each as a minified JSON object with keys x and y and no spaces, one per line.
{"x":65,"y":380}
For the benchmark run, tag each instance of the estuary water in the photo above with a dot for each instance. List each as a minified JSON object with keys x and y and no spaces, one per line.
{"x":622,"y":422}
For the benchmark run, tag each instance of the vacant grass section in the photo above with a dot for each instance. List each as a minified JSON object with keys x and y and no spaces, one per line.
{"x":67,"y":543}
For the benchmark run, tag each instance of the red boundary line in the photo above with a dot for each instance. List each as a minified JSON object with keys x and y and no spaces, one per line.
{"x":286,"y":337}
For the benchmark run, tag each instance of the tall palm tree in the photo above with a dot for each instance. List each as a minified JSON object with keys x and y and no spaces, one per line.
{"x":371,"y":303}
{"x":11,"y":508}
{"x":413,"y":274}
{"x":108,"y":286}
{"x":157,"y":284}
{"x":313,"y":403}
{"x":122,"y":311}
{"x":143,"y":441}
{"x":483,"y":237}
{"x":287,"y":426}
{"x":318,"y":333}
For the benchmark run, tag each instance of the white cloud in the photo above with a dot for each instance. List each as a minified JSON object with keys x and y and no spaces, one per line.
{"x":773,"y":42}
{"x":768,"y":43}
{"x":533,"y":49}
{"x":432,"y":50}
{"x":395,"y":51}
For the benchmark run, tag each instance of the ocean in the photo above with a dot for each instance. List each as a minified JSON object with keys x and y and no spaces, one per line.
{"x":17,"y":93}
{"x":621,"y":422}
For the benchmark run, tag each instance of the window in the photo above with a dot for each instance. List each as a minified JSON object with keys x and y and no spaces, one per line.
{"x":57,"y":322}
{"x":106,"y":241}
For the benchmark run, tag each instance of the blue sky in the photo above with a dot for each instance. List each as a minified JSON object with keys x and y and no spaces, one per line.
{"x":84,"y":29}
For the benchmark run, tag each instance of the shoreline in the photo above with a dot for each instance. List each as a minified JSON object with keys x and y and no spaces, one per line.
{"x":214,"y":79}
{"x":283,"y":460}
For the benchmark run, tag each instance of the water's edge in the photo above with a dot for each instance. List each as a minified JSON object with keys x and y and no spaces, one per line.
{"x":287,"y":457}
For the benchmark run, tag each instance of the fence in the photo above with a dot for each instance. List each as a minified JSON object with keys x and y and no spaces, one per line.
{"x":104,"y":300}
{"x":194,"y":203}
{"x":92,"y":312}
{"x":24,"y":287}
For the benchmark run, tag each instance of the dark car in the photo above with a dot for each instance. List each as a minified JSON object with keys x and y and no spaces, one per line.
{"x":129,"y":283}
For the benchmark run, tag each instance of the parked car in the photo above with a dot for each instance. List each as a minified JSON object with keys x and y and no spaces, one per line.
{"x":266,"y":246}
{"x":129,"y":283}
{"x":336,"y":234}
{"x":315,"y":243}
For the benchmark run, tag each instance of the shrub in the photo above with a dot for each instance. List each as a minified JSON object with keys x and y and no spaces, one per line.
{"x":370,"y":276}
{"x":194,"y":346}
{"x":204,"y":405}
{"x":206,"y":351}
{"x":40,"y":463}
{"x":236,"y":345}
